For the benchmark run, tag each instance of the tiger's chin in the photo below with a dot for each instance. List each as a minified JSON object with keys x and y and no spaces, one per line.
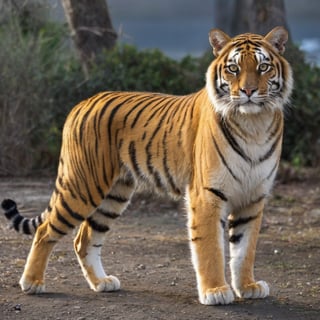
{"x":250,"y":108}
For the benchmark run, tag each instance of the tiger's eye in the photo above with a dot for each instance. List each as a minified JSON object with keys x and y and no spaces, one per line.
{"x":233,"y":68}
{"x":263,"y":67}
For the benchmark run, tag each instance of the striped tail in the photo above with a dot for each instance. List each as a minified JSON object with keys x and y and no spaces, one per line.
{"x":18,"y":222}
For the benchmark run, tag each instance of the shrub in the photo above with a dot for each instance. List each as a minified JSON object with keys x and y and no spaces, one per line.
{"x":301,"y":145}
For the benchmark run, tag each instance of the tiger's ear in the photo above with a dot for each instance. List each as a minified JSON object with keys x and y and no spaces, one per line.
{"x":218,"y":39}
{"x":278,"y":37}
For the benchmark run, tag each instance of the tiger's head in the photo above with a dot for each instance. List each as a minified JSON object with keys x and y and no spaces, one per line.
{"x":249,"y":74}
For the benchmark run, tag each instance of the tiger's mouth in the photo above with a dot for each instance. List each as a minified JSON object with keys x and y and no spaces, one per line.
{"x":252,"y":104}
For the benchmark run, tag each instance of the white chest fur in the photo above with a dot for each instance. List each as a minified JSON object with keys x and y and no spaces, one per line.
{"x":249,"y":164}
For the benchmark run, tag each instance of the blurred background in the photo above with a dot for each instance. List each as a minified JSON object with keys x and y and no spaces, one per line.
{"x":55,"y":53}
{"x":180,"y":27}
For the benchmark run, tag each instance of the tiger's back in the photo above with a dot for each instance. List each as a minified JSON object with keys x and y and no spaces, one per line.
{"x":132,"y":133}
{"x":220,"y":147}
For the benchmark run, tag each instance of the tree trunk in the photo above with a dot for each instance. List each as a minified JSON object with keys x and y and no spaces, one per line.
{"x":258,"y":16}
{"x":221,"y":14}
{"x":91,"y":28}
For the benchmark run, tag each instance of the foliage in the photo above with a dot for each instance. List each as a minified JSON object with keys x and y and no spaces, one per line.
{"x":30,"y":61}
{"x":41,"y":80}
{"x":302,"y":130}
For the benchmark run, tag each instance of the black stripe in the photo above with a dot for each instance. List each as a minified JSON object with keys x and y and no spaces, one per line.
{"x":104,"y":173}
{"x":133,"y":158}
{"x":215,"y":80}
{"x":56,"y":230}
{"x":117,"y":198}
{"x":171,"y":119}
{"x":183,"y":123}
{"x":275,"y":126}
{"x":235,"y":238}
{"x":77,"y":189}
{"x":166,"y":166}
{"x":81,"y":179}
{"x":139,"y":100}
{"x":82,"y":125}
{"x":16,"y":222}
{"x":38,"y":220}
{"x":259,"y":199}
{"x":232,"y":141}
{"x":218,"y":193}
{"x":108,"y":214}
{"x":91,"y":167}
{"x":154,"y":113}
{"x":271,"y":150}
{"x":34,"y":223}
{"x":12,"y":212}
{"x":253,"y":43}
{"x":89,"y":104}
{"x":25,"y":226}
{"x":100,"y":191}
{"x":112,"y":115}
{"x":96,"y":226}
{"x":105,"y":107}
{"x":70,"y":189}
{"x":75,"y":114}
{"x":98,"y":116}
{"x":73,"y":214}
{"x":63,"y":220}
{"x":275,"y":167}
{"x":90,"y":158}
{"x":196,"y":239}
{"x":149,"y":145}
{"x":157,"y":178}
{"x":90,"y":196}
{"x":235,"y":223}
{"x":223,"y":159}
{"x":128,"y":180}
{"x":223,"y":224}
{"x":151,"y":100}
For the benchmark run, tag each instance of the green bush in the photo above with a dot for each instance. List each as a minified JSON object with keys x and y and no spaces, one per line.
{"x":29,"y":63}
{"x":301,"y":145}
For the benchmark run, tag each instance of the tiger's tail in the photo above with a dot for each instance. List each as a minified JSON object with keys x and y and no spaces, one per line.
{"x":20,"y":223}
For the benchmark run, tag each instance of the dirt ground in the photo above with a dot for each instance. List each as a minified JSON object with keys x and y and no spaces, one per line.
{"x":148,"y":250}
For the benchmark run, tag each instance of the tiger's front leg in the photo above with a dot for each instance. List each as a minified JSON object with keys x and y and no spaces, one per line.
{"x":244,"y":227}
{"x":206,"y":232}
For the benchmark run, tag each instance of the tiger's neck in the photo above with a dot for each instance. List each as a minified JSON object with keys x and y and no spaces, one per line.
{"x":255,"y":128}
{"x":252,"y":128}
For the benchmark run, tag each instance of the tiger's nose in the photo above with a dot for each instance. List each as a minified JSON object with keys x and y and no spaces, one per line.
{"x":248,"y":91}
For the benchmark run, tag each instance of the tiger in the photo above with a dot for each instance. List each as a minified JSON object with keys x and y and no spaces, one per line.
{"x":219,"y":148}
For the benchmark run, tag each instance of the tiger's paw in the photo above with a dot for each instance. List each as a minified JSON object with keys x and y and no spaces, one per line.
{"x":32,"y":287}
{"x":216,"y":296}
{"x":109,"y":283}
{"x":255,"y":290}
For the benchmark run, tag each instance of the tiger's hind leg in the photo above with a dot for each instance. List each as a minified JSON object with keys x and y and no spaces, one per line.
{"x":32,"y":280}
{"x":91,"y":235}
{"x":244,"y":229}
{"x":62,"y":216}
